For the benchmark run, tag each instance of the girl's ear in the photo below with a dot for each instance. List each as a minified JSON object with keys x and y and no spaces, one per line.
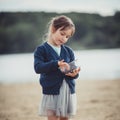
{"x":53,"y":29}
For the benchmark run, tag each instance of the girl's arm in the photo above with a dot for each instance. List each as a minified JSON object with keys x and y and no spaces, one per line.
{"x":75,"y":73}
{"x":40,"y":65}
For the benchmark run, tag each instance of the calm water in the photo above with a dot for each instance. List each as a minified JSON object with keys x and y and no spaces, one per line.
{"x":95,"y":64}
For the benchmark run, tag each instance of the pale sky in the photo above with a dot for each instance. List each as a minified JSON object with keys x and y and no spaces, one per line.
{"x":103,"y":7}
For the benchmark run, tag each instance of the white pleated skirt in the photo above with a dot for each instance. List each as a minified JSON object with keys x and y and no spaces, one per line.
{"x":62,"y":105}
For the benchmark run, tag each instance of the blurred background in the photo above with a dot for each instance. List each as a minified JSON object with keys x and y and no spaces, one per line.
{"x":96,"y":41}
{"x":96,"y":44}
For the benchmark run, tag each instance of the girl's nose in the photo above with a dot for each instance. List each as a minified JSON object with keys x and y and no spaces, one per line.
{"x":64,"y":38}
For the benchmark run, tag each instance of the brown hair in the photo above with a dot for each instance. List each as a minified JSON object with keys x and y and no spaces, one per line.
{"x":62,"y":22}
{"x":57,"y":22}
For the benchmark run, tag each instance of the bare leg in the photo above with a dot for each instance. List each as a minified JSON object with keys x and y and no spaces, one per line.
{"x":52,"y":118}
{"x":64,"y":118}
{"x":51,"y":115}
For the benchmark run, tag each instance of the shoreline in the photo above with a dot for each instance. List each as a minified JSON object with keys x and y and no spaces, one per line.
{"x":97,"y":100}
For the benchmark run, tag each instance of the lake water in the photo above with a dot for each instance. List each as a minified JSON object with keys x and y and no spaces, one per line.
{"x":95,"y":64}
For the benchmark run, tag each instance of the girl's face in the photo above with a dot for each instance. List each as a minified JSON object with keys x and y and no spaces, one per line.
{"x":60,"y":37}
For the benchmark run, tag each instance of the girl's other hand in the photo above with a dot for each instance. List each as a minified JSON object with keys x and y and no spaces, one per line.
{"x":74,"y":72}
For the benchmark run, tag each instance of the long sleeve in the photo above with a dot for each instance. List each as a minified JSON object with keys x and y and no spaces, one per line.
{"x":40,"y":64}
{"x":72,"y":58}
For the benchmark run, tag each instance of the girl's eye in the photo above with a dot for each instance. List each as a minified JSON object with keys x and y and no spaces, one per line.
{"x":62,"y":33}
{"x":67,"y":36}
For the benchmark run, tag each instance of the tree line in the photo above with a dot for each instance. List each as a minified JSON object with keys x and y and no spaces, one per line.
{"x":21,"y":32}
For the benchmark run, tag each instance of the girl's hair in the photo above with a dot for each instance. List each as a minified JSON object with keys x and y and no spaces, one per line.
{"x":62,"y":22}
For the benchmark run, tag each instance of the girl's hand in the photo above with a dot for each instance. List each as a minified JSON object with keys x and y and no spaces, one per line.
{"x":73,"y":73}
{"x":63,"y":65}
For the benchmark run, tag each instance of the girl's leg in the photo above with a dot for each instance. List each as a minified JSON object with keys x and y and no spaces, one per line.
{"x":64,"y":118}
{"x":51,"y":115}
{"x":52,"y":118}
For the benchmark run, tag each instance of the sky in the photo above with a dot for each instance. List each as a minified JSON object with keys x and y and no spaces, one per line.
{"x":102,"y":7}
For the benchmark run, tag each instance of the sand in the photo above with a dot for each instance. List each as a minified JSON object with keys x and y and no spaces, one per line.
{"x":97,"y":100}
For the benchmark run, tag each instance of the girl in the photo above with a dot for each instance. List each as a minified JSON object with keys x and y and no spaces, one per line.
{"x":50,"y":60}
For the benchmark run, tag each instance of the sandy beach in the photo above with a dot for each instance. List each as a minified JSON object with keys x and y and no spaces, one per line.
{"x":97,"y":100}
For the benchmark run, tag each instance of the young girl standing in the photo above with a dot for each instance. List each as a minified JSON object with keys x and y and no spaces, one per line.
{"x":50,"y":60}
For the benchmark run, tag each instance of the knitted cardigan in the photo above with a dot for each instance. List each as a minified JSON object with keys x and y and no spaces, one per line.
{"x":46,"y":64}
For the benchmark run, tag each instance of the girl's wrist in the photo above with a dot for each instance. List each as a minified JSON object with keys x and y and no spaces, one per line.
{"x":59,"y":63}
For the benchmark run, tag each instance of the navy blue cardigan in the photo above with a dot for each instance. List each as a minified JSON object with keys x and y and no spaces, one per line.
{"x":46,"y":64}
